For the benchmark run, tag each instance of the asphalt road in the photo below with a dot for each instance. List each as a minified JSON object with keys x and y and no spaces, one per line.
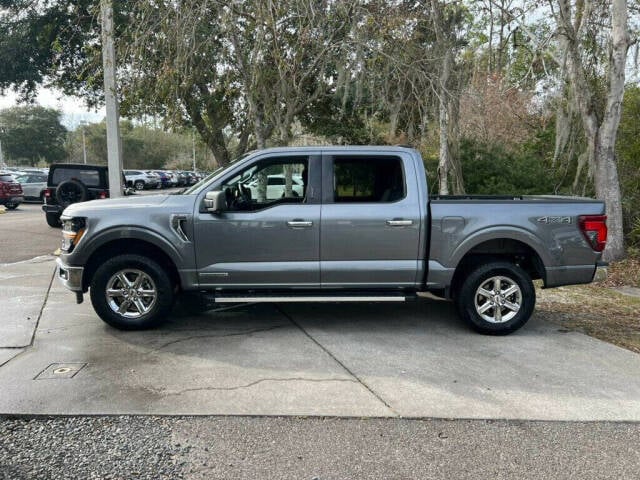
{"x":24,"y":234}
{"x":205,"y":448}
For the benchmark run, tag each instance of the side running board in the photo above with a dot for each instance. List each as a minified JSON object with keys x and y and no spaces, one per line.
{"x":309,"y":298}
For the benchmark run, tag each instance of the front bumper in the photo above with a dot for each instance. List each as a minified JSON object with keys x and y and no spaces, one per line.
{"x":70,"y":277}
{"x":47,"y":208}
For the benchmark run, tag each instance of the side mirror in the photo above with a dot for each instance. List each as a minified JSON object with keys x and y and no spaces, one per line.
{"x":215,"y":201}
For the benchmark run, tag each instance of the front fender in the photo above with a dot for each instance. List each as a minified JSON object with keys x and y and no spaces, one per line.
{"x":179,"y":256}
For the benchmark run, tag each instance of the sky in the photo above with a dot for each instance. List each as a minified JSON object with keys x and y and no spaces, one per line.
{"x":74,"y":111}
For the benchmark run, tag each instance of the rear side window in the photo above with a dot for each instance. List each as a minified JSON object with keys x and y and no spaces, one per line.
{"x":91,"y":178}
{"x":368,"y":179}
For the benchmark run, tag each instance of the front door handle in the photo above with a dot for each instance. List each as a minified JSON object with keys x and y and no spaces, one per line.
{"x":299,"y":223}
{"x":399,"y":223}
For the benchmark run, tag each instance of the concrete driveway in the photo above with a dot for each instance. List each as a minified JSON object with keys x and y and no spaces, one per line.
{"x":370,"y":360}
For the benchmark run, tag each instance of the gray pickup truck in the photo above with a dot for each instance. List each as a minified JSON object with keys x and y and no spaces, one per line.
{"x":327,"y":224}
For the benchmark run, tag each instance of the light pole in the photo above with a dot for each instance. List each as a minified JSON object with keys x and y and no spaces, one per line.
{"x":2,"y":164}
{"x":114,"y":150}
{"x":193,"y":141}
{"x":84,"y":142}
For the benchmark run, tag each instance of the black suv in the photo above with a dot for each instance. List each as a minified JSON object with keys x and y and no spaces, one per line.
{"x":71,"y":183}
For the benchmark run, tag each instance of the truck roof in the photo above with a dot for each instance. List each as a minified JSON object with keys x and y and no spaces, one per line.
{"x":340,"y":148}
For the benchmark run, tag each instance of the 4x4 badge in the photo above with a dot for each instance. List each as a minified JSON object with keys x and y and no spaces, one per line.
{"x":548,"y":220}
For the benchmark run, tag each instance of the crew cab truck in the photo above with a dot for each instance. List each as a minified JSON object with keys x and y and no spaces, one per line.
{"x":363,"y":228}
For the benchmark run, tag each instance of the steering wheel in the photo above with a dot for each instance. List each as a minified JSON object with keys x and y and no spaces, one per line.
{"x":241,"y":197}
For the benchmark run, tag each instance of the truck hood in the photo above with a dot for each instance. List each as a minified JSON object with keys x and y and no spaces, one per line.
{"x":102,"y":206}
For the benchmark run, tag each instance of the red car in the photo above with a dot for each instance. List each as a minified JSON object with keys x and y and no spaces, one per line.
{"x":10,"y":191}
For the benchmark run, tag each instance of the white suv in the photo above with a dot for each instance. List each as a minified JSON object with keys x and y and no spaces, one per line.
{"x":140,"y":180}
{"x":276,"y":186}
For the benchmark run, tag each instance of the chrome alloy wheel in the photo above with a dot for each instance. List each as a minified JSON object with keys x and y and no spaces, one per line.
{"x":498,"y":299}
{"x":131,"y":293}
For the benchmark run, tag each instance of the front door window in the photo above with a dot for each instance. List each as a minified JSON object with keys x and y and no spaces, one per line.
{"x":267,"y":184}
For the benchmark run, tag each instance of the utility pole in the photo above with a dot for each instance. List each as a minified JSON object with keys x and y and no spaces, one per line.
{"x":84,"y":145}
{"x":114,"y":149}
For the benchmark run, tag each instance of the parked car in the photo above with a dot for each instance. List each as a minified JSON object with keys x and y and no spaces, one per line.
{"x":34,"y":185}
{"x":11,"y":194}
{"x":140,"y":180}
{"x":181,"y":178}
{"x":70,"y":183}
{"x":165,"y":181}
{"x":173,"y":178}
{"x":365,"y":230}
{"x":156,"y":176}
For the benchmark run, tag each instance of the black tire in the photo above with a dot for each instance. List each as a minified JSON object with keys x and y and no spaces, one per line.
{"x":500,"y":317}
{"x":139,"y":185}
{"x":11,"y":206}
{"x":71,"y":191}
{"x":160,"y":282}
{"x":53,"y":220}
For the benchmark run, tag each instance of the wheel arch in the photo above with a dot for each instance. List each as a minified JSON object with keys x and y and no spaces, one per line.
{"x":137,"y":246}
{"x":498,"y":249}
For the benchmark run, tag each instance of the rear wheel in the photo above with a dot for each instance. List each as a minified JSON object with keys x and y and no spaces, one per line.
{"x":11,"y":206}
{"x":53,"y":220}
{"x":496,"y":298}
{"x":131,"y":292}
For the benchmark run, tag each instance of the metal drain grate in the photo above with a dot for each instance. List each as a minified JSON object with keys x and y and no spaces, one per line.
{"x":58,"y":371}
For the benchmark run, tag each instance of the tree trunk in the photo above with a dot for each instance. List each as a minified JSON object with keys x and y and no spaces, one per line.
{"x":608,"y":189}
{"x":457,"y":180}
{"x":443,"y":123}
{"x":607,"y":182}
{"x":601,"y":137}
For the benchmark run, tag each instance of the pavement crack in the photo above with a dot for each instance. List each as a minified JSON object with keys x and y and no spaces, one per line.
{"x":262,"y":380}
{"x":216,"y":335}
{"x":335,"y":359}
{"x":44,"y":304}
{"x":24,"y":348}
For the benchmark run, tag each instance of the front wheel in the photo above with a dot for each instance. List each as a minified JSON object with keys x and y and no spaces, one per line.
{"x":496,"y":298}
{"x":12,"y":206}
{"x":139,"y":185}
{"x":131,"y":292}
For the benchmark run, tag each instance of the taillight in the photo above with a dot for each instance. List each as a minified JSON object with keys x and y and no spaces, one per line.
{"x":47,"y":193}
{"x":103,"y":194}
{"x":594,"y":229}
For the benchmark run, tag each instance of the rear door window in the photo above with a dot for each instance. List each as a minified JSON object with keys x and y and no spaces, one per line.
{"x":364,"y":179}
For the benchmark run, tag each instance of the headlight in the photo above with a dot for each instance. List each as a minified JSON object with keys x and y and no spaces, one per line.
{"x":72,"y":231}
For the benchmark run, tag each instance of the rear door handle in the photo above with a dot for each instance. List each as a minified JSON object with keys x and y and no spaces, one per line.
{"x":300,"y":223}
{"x":399,"y":223}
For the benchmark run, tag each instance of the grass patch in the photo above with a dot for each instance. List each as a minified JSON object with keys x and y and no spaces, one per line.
{"x":599,"y":310}
{"x":624,"y":273}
